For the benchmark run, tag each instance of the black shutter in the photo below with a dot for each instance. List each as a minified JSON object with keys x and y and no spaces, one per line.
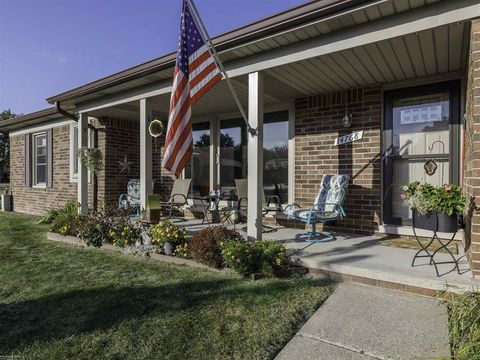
{"x":49,"y":158}
{"x":27,"y":161}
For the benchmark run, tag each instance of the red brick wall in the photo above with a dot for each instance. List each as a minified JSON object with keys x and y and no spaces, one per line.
{"x":318,"y":121}
{"x":472,"y":150}
{"x":35,"y":200}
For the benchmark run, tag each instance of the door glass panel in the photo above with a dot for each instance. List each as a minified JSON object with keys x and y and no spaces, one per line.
{"x":421,"y":125}
{"x":198,"y":168}
{"x":420,"y":133}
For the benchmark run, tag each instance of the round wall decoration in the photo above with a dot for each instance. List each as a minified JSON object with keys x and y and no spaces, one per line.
{"x":156,"y":128}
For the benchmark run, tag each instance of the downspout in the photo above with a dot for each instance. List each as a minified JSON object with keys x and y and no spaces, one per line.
{"x":95,"y":145}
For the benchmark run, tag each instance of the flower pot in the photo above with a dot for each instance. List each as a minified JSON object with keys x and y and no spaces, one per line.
{"x":168,"y":248}
{"x":440,"y":222}
{"x":6,"y":204}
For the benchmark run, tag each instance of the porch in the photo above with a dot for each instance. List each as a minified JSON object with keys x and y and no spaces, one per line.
{"x":367,"y":259}
{"x":303,"y":84}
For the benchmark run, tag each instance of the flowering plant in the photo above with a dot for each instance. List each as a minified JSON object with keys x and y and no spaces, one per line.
{"x":165,"y":231}
{"x":124,"y":232}
{"x":426,"y":198}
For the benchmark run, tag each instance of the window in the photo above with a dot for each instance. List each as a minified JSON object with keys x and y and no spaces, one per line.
{"x":40,"y":159}
{"x":233,"y":154}
{"x":275,"y":155}
{"x":73,"y":151}
{"x":198,"y":168}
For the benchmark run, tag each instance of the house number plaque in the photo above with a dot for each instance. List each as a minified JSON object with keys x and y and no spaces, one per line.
{"x":357,"y":135}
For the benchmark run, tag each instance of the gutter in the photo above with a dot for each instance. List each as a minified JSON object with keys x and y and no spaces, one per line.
{"x":63,"y":112}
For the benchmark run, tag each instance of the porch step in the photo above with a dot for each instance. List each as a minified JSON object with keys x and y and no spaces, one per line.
{"x":432,"y":287}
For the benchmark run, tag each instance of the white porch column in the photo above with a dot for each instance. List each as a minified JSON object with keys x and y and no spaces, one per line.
{"x":145,"y":152}
{"x":255,"y":156}
{"x":82,"y":180}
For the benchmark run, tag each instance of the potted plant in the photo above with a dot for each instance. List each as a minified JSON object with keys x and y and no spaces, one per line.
{"x":6,"y":200}
{"x":168,"y":235}
{"x":435,"y":208}
{"x":92,"y":158}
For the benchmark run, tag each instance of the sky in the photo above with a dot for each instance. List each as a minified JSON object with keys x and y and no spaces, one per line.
{"x":50,"y":46}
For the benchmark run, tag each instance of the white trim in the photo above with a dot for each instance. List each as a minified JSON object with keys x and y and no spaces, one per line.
{"x":136,"y":94}
{"x":71,"y":150}
{"x":41,"y":128}
{"x":73,"y":176}
{"x":146,"y":178}
{"x":41,"y":185}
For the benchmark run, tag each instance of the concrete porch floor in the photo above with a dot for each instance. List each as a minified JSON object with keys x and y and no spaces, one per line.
{"x":362,"y":259}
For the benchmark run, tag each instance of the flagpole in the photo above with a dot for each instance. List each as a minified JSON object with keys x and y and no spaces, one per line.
{"x":213,"y":51}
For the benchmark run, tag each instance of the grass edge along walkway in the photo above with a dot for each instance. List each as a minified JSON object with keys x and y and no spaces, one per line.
{"x":58,"y":301}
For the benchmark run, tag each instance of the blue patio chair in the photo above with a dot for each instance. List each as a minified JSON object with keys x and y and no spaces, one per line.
{"x":328,"y":206}
{"x":132,"y":198}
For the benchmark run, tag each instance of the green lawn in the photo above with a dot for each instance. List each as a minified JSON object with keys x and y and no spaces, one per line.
{"x":61,"y":302}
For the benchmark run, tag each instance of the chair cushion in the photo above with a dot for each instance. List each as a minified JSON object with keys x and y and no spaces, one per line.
{"x":332,"y":192}
{"x":317,"y":216}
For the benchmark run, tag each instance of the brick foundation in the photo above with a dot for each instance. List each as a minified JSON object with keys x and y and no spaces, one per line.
{"x":472,"y":150}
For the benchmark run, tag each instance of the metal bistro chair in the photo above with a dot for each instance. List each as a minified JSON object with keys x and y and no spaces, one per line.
{"x":132,"y":198}
{"x":177,"y":200}
{"x":328,"y":206}
{"x":270,"y":203}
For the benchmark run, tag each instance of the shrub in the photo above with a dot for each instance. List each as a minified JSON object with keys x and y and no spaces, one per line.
{"x":94,"y":228}
{"x":206,"y":245}
{"x":66,"y":220}
{"x":464,"y":325}
{"x":265,"y":257}
{"x":165,"y":231}
{"x":49,"y":216}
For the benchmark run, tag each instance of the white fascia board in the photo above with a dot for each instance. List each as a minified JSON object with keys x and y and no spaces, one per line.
{"x":136,"y":94}
{"x":38,"y":128}
{"x":424,"y":18}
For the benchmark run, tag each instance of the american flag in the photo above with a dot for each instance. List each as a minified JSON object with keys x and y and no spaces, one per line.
{"x":195,"y":73}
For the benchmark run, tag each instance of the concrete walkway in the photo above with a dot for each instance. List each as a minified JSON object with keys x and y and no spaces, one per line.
{"x":362,"y":322}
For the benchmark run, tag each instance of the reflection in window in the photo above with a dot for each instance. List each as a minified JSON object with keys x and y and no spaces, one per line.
{"x":233,"y":154}
{"x":198,"y":168}
{"x":275,"y":155}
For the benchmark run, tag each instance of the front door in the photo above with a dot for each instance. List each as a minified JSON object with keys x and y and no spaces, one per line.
{"x":420,"y":142}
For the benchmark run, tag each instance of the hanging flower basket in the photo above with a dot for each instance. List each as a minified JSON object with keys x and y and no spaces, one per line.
{"x":92,"y":158}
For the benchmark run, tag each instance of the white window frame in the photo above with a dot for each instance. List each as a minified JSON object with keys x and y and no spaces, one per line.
{"x":73,"y":158}
{"x":36,"y":184}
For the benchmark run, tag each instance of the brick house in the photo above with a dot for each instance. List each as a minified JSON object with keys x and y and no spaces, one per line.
{"x":407,"y":74}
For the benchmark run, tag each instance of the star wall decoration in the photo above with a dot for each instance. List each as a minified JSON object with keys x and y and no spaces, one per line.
{"x":125,"y":165}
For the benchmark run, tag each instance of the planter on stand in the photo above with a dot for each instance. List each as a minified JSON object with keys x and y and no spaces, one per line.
{"x":436,"y":222}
